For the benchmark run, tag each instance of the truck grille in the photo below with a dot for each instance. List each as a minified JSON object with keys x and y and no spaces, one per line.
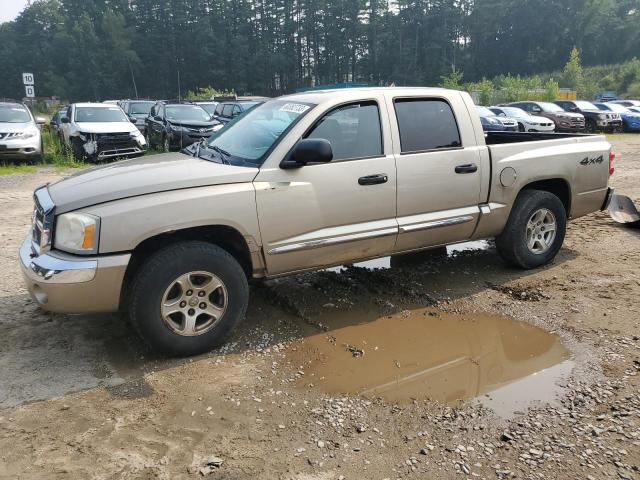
{"x":577,"y":121}
{"x":42,"y":220}
{"x":115,"y":141}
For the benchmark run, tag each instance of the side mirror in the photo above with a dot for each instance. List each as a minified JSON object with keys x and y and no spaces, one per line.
{"x":308,"y":150}
{"x":64,"y":120}
{"x":41,"y":120}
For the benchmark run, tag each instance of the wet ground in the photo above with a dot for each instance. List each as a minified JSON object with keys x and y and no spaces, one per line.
{"x":444,"y":364}
{"x":427,"y":354}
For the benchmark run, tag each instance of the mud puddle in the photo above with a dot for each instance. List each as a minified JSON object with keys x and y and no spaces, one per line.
{"x":427,"y":354}
{"x":407,"y":258}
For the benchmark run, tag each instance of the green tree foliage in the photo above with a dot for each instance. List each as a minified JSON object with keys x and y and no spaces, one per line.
{"x":572,"y":76}
{"x":97,"y":49}
{"x":452,"y":80}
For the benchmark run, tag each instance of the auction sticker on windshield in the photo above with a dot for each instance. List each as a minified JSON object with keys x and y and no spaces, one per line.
{"x":294,"y":108}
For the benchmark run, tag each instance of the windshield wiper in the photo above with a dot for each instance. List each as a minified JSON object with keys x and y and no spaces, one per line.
{"x":224,"y":155}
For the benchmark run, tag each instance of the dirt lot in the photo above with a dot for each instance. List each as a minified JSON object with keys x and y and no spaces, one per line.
{"x":80,"y":397}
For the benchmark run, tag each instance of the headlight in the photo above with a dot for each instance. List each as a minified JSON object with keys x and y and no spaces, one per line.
{"x":218,"y":127}
{"x":175,"y":128}
{"x":30,"y":133}
{"x":77,"y":233}
{"x":602,"y":116}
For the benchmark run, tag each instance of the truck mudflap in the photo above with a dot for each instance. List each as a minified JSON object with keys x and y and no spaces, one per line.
{"x":623,"y":210}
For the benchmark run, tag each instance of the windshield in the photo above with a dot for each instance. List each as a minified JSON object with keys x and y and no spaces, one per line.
{"x":248,"y":105}
{"x":617,"y":108}
{"x":514,"y":112}
{"x":209,"y":107}
{"x":582,"y":105}
{"x":139,"y":108}
{"x":249,"y":137}
{"x":100,"y":114}
{"x":550,"y":107}
{"x":14,"y":114}
{"x":187,"y":113}
{"x":485,"y":112}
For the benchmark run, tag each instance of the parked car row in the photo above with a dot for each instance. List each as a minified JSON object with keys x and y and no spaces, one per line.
{"x":126,"y":128}
{"x":562,"y":116}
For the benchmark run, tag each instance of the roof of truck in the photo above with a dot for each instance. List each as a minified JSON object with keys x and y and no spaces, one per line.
{"x":319,"y":96}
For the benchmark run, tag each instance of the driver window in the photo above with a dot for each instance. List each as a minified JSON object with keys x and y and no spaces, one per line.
{"x":353,"y":131}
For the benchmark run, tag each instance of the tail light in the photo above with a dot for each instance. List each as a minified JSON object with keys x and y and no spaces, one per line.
{"x":612,"y":157}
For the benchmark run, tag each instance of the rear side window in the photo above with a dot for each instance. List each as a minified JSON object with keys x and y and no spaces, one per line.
{"x":353,"y":130}
{"x":227,"y":110}
{"x":426,"y":125}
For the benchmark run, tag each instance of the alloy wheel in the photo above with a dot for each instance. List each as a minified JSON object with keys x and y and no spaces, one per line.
{"x":541,"y":231}
{"x":194,"y":303}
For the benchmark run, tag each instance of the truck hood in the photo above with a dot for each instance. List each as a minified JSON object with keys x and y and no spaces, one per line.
{"x":106,"y":127}
{"x":141,"y":176}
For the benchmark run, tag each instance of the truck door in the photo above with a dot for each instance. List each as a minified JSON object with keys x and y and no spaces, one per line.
{"x":327,"y":214}
{"x":439,"y":171}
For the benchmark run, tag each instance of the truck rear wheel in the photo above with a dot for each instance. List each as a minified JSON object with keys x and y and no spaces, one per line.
{"x":187,"y":298}
{"x":535,"y":230}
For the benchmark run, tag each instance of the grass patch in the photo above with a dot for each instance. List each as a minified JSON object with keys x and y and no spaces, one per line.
{"x":56,"y":155}
{"x":9,"y":169}
{"x":627,"y":136}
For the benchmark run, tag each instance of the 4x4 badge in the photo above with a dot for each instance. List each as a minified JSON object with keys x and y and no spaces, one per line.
{"x":592,"y":161}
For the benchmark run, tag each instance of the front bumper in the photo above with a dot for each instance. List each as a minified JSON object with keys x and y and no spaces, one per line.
{"x":184,"y":139}
{"x":609,"y":125}
{"x":64,"y":283}
{"x":19,"y":149}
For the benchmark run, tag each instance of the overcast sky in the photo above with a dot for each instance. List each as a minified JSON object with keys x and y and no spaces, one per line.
{"x":9,"y":9}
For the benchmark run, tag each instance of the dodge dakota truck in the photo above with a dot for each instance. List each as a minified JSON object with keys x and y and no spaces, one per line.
{"x":301,"y":182}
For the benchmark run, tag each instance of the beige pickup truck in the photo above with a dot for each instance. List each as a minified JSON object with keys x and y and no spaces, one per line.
{"x":301,"y":182}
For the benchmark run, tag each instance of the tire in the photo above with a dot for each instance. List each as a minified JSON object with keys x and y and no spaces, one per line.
{"x":520,"y":127}
{"x":154,"y":284}
{"x":513,"y":243}
{"x":166,"y":144}
{"x":78,"y":152}
{"x":591,"y":127}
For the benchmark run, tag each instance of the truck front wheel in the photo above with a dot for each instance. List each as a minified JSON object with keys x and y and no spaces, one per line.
{"x":187,"y":298}
{"x":535,"y":230}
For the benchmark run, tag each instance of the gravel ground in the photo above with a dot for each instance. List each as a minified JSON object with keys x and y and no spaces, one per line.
{"x":80,"y":397}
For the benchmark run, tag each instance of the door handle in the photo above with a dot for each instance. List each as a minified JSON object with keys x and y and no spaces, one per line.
{"x":468,"y":168}
{"x":373,"y":179}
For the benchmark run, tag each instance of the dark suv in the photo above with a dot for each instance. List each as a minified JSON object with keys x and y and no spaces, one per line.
{"x":175,"y":125}
{"x":138,"y":111}
{"x":595,"y":119}
{"x":227,"y":111}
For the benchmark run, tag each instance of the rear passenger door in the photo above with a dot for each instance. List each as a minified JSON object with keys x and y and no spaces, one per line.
{"x":439,"y":168}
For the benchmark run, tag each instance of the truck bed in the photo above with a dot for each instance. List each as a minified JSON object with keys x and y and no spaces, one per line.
{"x":498,"y":138}
{"x":575,"y":166}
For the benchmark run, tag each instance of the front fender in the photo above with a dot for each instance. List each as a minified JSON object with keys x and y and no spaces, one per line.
{"x":128,"y":222}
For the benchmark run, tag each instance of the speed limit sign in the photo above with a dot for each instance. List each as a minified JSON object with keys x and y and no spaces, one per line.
{"x":28,"y":79}
{"x":30,"y":91}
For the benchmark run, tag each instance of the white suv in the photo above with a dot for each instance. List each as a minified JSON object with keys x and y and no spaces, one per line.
{"x":98,"y":131}
{"x":20,"y":137}
{"x":526,"y":122}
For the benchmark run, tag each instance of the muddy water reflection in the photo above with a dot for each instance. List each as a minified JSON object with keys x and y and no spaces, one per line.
{"x":427,"y":354}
